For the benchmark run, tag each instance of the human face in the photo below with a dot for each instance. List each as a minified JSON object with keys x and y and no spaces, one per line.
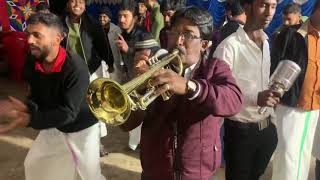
{"x":167,"y":15}
{"x":126,"y":20}
{"x":142,"y":8}
{"x":104,"y":19}
{"x":186,"y":36}
{"x":260,"y":13}
{"x":76,"y":7}
{"x":42,"y":40}
{"x":315,"y":17}
{"x":150,"y":3}
{"x":291,"y":19}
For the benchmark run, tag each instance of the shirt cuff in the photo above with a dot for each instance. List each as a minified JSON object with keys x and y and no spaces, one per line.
{"x":197,"y":92}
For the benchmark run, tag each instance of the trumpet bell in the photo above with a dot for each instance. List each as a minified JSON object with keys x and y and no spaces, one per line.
{"x":108,"y":101}
{"x":112,"y":103}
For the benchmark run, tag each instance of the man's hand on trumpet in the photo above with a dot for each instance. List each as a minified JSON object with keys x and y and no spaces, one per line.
{"x":168,"y":80}
{"x":164,"y":79}
{"x":16,"y":112}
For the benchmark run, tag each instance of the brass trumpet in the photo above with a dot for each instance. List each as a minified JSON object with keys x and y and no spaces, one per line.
{"x":112,"y":103}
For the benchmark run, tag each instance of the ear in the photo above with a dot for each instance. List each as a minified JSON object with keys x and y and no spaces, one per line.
{"x":58,"y":37}
{"x":247,"y":8}
{"x":204,"y":45}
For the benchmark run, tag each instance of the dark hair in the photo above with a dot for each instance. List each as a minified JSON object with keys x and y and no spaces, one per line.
{"x":316,"y":6}
{"x":48,"y":19}
{"x":200,"y":17}
{"x":235,"y":7}
{"x":41,"y":7}
{"x":129,"y":5}
{"x":105,"y":10}
{"x":292,"y":8}
{"x":243,"y":2}
{"x":167,"y":5}
{"x":141,"y":1}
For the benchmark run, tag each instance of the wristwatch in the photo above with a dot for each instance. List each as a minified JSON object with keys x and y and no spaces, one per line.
{"x":191,"y":88}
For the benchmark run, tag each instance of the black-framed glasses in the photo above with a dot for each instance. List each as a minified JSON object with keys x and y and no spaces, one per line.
{"x":186,"y":35}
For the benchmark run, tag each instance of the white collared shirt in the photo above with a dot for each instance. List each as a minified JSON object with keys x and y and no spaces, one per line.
{"x":250,"y":67}
{"x":189,"y":71}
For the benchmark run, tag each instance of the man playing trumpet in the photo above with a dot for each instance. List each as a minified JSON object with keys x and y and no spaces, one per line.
{"x":180,"y":137}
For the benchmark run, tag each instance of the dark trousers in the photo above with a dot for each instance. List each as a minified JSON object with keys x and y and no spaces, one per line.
{"x":317,"y":172}
{"x":143,"y":177}
{"x":247,"y":149}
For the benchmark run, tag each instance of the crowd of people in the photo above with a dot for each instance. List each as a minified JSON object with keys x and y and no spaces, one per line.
{"x":224,"y":83}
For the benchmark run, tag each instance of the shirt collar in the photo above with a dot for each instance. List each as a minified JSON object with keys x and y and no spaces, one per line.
{"x":59,"y":61}
{"x":188,"y":71}
{"x":69,"y":23}
{"x":313,"y":31}
{"x":243,"y":36}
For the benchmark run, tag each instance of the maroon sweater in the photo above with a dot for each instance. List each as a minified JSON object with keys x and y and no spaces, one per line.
{"x":198,"y":120}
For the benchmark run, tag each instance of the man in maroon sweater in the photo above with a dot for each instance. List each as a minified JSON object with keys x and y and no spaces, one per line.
{"x":180,"y":137}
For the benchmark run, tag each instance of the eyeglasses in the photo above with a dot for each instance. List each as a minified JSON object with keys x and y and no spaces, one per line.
{"x":186,"y":35}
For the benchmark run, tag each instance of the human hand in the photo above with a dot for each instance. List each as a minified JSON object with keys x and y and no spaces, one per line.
{"x":268,"y":98}
{"x":141,"y":61}
{"x":168,"y":80}
{"x":122,"y":44}
{"x":14,"y":111}
{"x":17,"y":119}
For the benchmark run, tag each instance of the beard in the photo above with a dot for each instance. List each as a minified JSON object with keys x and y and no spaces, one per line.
{"x":44,"y":53}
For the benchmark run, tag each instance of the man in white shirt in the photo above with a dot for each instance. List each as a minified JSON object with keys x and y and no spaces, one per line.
{"x":250,"y":138}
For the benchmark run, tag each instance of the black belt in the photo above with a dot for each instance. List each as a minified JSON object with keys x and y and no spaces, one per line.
{"x":261,"y":125}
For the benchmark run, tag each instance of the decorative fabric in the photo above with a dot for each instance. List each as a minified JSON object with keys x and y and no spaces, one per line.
{"x":17,"y":12}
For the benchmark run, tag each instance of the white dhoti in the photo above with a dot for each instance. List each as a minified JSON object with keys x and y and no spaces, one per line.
{"x":55,"y":155}
{"x":134,"y":137}
{"x":296,"y":130}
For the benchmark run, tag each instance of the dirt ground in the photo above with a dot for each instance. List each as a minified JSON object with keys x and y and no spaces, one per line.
{"x":120,"y":164}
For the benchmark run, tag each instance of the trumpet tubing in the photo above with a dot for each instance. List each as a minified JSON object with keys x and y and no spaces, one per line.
{"x":112,"y":103}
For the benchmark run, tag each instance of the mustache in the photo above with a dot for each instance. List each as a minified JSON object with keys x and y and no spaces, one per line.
{"x":34,"y":47}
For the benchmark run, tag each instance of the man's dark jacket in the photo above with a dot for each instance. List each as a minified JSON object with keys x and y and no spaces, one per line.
{"x":291,"y":45}
{"x":93,"y":42}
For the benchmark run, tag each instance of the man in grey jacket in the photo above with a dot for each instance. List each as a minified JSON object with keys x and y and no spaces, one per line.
{"x":112,"y":32}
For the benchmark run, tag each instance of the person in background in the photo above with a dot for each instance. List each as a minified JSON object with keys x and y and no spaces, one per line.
{"x":236,"y":18}
{"x":156,"y":18}
{"x":111,"y":32}
{"x":67,"y":146}
{"x":131,"y":33}
{"x":143,"y":19}
{"x":178,"y":135}
{"x":291,"y":15}
{"x":86,"y":39}
{"x":167,"y":8}
{"x":298,"y":113}
{"x":42,"y":7}
{"x":250,"y":137}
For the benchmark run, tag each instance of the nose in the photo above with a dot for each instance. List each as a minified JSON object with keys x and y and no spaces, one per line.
{"x":180,"y":40}
{"x":166,"y":19}
{"x":121,"y":19}
{"x":30,"y":39}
